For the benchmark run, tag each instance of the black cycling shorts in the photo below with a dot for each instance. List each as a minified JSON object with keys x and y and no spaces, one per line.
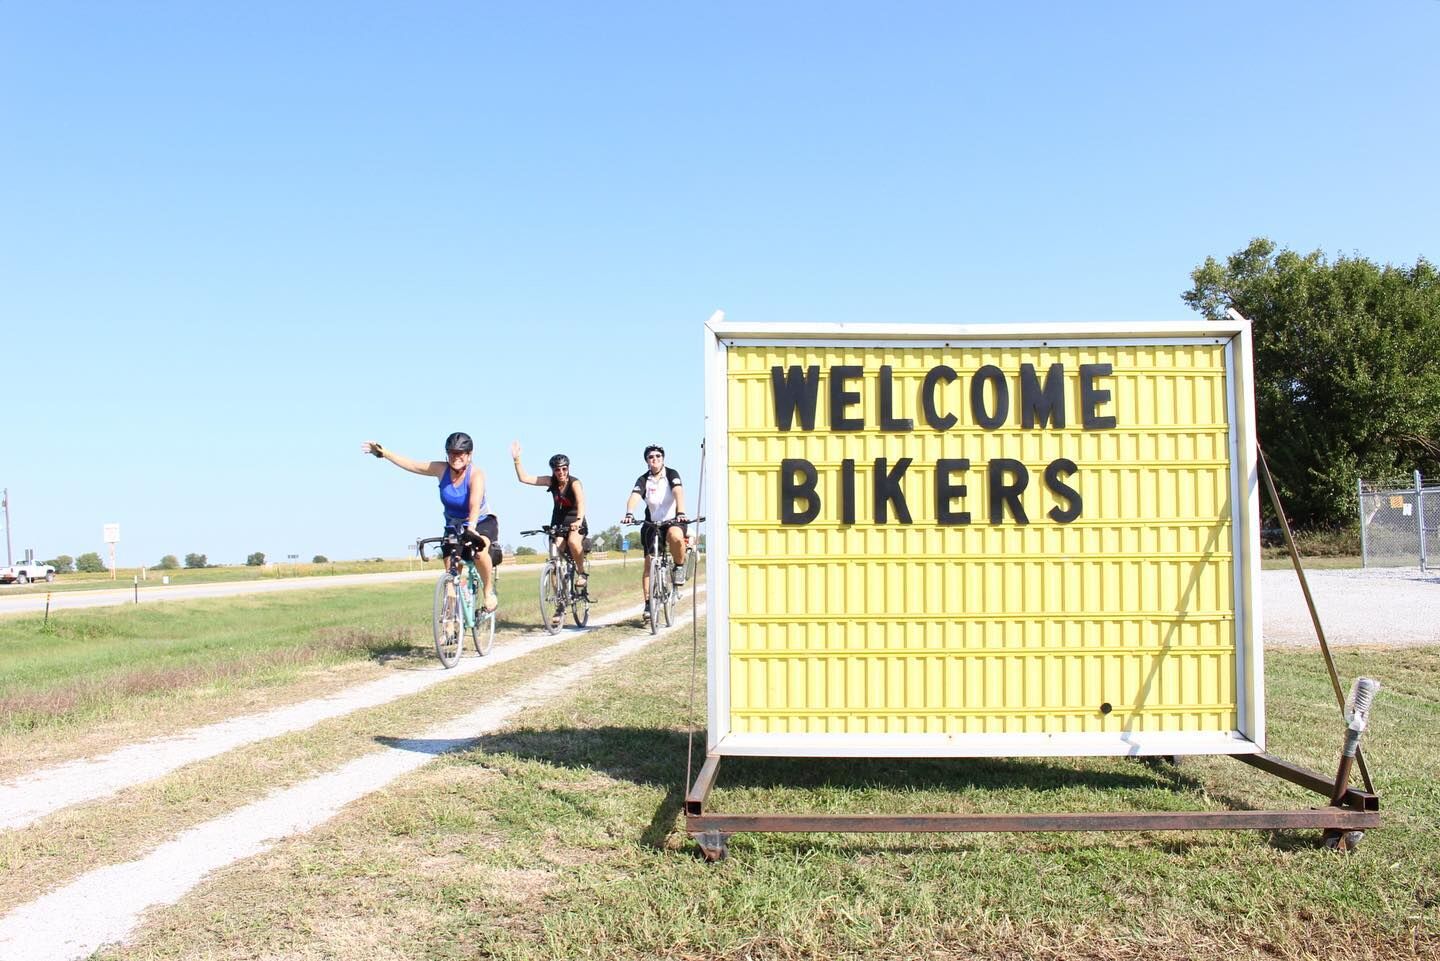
{"x":489,"y":529}
{"x":647,"y":534}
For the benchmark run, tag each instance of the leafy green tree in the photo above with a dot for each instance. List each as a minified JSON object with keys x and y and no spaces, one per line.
{"x":256,"y":559}
{"x":524,"y":550}
{"x":90,"y":563}
{"x":168,"y":563}
{"x":63,"y":563}
{"x":1346,"y":379}
{"x":196,"y":560}
{"x":320,"y":559}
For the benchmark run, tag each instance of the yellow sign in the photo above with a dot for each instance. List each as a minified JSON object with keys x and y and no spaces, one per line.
{"x":985,"y":540}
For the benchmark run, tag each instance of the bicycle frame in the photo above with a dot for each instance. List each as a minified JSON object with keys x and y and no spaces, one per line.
{"x":467,"y":589}
{"x":456,"y":603}
{"x":660,"y":572}
{"x":558,"y":593}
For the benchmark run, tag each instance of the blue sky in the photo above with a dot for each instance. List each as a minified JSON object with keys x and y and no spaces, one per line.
{"x":238,"y":239}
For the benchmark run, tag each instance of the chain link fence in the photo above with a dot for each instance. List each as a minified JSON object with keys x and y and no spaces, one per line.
{"x":1398,"y":522}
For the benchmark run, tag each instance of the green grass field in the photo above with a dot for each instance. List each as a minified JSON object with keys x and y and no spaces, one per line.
{"x":85,"y":665}
{"x":562,"y":836}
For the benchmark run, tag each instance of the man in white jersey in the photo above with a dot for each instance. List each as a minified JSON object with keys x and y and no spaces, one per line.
{"x":664,"y":496}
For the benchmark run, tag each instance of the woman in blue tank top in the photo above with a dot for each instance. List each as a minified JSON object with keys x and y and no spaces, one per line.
{"x":462,"y":496}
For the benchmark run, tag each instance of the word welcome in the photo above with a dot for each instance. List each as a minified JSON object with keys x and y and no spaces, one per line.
{"x":1041,"y":404}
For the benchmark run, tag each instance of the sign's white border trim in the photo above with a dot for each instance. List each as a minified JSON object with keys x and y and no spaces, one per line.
{"x":719,"y":335}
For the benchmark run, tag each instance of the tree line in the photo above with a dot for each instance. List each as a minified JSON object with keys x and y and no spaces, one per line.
{"x":90,"y":563}
{"x":1347,"y":383}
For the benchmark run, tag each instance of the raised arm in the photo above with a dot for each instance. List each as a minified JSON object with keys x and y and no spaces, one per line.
{"x":520,"y":474}
{"x":434,"y":468}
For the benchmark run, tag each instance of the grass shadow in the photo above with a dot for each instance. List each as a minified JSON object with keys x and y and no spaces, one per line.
{"x":656,"y":758}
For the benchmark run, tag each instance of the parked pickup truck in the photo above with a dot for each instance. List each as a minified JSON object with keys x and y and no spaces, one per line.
{"x":27,"y":572}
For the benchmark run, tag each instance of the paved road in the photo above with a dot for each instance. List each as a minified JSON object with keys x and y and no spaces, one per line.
{"x":69,"y":600}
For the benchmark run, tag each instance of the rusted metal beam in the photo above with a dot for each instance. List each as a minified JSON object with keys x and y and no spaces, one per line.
{"x":1327,"y":817}
{"x":704,"y":781}
{"x":1310,"y":780}
{"x":1310,"y":603}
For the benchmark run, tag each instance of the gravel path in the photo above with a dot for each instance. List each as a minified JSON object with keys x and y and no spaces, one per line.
{"x":26,"y":799}
{"x":104,"y":906}
{"x":1393,"y":608}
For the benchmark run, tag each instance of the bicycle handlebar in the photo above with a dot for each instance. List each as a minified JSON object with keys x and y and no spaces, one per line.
{"x":452,"y":539}
{"x":420,"y":545}
{"x":554,"y":530}
{"x":664,"y":524}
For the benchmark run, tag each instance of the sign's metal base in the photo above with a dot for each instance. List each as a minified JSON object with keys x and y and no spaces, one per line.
{"x":1343,"y":822}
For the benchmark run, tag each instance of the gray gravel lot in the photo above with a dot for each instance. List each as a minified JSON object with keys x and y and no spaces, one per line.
{"x":1391,"y":607}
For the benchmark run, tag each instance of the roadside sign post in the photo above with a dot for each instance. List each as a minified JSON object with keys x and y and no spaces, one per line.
{"x":5,"y":503}
{"x":112,"y":537}
{"x":986,"y":541}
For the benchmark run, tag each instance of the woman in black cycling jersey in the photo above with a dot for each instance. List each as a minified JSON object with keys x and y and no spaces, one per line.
{"x":569,"y":509}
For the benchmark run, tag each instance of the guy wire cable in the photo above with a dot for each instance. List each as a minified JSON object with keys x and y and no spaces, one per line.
{"x":694,"y":631}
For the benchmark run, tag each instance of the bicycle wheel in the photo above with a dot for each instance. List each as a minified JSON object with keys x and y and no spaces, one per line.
{"x":667,"y":593}
{"x":655,"y":601}
{"x":579,"y":605}
{"x":449,"y":621}
{"x":549,"y":597}
{"x":482,"y":632}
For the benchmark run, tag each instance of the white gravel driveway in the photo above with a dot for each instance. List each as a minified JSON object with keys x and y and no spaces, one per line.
{"x":1388,"y":607}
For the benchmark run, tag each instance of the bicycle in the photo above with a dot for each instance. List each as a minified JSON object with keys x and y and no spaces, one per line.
{"x":558,"y":592}
{"x":663,"y":592}
{"x":455,"y":611}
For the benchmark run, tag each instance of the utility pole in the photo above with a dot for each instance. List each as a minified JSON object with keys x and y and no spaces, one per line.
{"x":5,"y":501}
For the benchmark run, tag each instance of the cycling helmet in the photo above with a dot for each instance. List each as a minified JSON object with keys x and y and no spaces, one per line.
{"x":460,"y":442}
{"x":654,"y":447}
{"x":559,"y":461}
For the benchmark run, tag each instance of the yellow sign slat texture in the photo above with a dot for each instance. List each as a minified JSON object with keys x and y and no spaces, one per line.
{"x":1121,"y":619}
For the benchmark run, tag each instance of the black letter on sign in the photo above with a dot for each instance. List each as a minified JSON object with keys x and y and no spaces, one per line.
{"x":797,"y":391}
{"x":1002,"y":493}
{"x":888,"y":420}
{"x":840,"y":398}
{"x":977,"y":396}
{"x":945,"y":491}
{"x":927,"y":394}
{"x":887,"y":489}
{"x":1092,"y":397}
{"x":789,"y":491}
{"x":1043,"y":407}
{"x":1062,"y":489}
{"x":847,"y":491}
